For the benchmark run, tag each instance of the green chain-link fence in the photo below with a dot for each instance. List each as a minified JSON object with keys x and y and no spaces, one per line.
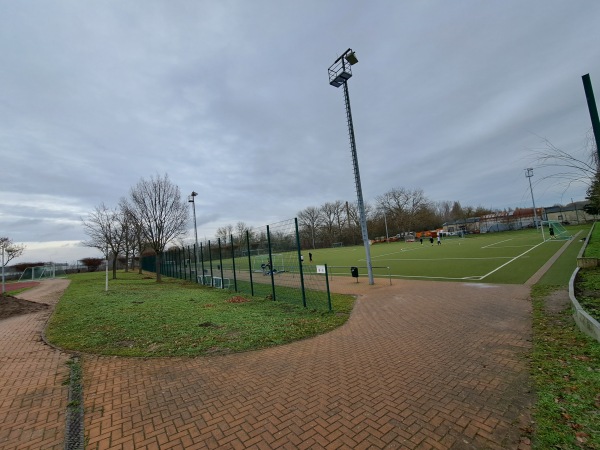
{"x":264,"y":262}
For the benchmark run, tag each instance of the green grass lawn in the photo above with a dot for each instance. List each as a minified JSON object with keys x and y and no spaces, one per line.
{"x":139,"y":317}
{"x":566,"y":371}
{"x":588,"y":280}
{"x":565,"y":364}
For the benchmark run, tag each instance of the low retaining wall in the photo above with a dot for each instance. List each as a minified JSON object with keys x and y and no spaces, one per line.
{"x":584,"y":321}
{"x":586,"y":263}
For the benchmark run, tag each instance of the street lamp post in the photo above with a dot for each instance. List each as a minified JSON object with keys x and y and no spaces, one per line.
{"x":339,"y":74}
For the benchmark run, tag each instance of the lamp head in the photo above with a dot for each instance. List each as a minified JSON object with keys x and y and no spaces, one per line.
{"x":351,"y":58}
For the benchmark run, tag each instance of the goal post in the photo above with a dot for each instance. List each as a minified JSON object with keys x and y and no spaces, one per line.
{"x":44,"y":272}
{"x":259,"y":262}
{"x":555,"y":230}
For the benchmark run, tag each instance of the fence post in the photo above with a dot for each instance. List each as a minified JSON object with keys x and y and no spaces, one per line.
{"x":233,"y":262}
{"x":202,"y":261}
{"x":196,"y":263}
{"x":249,"y":261}
{"x":328,"y":293}
{"x":210,"y":263}
{"x":181,"y":264}
{"x":300,"y":262}
{"x":190,"y":259}
{"x":271,"y":262}
{"x":221,"y":263}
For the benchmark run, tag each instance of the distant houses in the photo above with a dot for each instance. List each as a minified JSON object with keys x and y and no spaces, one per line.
{"x":520,"y":218}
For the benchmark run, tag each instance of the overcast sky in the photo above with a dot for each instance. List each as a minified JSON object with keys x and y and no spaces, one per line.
{"x":231,"y":99}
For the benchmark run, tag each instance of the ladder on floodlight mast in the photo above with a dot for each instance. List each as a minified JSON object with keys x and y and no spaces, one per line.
{"x":361,"y":203}
{"x":352,"y":143}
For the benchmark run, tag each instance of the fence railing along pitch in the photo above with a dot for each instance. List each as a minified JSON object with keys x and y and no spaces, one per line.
{"x":263,"y":262}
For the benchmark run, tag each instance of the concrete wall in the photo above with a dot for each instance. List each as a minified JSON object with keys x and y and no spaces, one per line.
{"x":584,"y":321}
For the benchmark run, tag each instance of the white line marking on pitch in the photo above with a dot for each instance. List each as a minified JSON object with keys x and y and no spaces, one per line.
{"x":496,"y":243}
{"x":508,"y":262}
{"x":445,"y":259}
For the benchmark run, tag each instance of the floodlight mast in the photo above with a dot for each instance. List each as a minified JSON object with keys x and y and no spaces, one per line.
{"x":339,"y":74}
{"x":191,"y":199}
{"x":529,"y":174}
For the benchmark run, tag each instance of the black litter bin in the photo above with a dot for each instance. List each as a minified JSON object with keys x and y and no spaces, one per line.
{"x":354,"y":272}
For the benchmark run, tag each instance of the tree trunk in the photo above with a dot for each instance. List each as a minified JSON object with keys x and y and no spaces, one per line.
{"x":115,"y":256}
{"x":158,"y":276}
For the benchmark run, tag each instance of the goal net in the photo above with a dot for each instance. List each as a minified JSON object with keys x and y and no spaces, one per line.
{"x":555,"y":230}
{"x":42,"y":273}
{"x":254,"y":252}
{"x":260,"y":263}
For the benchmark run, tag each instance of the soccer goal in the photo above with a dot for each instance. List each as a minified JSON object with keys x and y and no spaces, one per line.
{"x":45,"y":272}
{"x":337,"y":244}
{"x":261,"y":263}
{"x":555,"y":230}
{"x":253,"y":252}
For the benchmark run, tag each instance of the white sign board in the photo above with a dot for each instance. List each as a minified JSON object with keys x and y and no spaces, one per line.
{"x":320,"y":269}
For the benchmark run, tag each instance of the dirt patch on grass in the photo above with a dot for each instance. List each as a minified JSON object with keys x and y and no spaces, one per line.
{"x":12,"y":306}
{"x":557,"y":301}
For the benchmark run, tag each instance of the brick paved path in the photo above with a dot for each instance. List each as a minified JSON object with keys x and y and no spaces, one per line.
{"x":33,"y":398}
{"x":418,"y":366}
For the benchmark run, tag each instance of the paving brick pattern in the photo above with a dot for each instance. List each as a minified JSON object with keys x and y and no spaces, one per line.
{"x":33,"y":397}
{"x":418,"y":366}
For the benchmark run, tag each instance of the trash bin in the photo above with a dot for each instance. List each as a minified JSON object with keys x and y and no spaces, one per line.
{"x":354,"y":272}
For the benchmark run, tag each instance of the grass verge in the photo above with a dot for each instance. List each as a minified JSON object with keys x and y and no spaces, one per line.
{"x":139,"y":317}
{"x":566,"y":371}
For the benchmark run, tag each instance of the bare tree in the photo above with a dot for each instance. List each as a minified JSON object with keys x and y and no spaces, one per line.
{"x":402,"y":205}
{"x":339,"y":212}
{"x":9,"y":252}
{"x":135,"y":232}
{"x":329,"y":222}
{"x":224,"y":233}
{"x":240,"y":230}
{"x":570,"y":169}
{"x":309,"y":220}
{"x":161,"y":213}
{"x":104,"y":226}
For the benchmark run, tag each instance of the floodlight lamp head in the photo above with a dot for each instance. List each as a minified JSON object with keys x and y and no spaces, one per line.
{"x":191,"y":197}
{"x":351,"y":58}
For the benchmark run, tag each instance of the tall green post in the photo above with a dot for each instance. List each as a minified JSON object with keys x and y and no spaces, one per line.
{"x":196,"y":262}
{"x":221,"y":263}
{"x":249,"y":262}
{"x":271,"y":262}
{"x":300,"y":262}
{"x":328,"y":292}
{"x":210,"y":262}
{"x":233,"y":263}
{"x":589,"y":95}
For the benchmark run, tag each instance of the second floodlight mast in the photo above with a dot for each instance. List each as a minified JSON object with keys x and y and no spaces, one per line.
{"x":339,"y":74}
{"x":191,"y":199}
